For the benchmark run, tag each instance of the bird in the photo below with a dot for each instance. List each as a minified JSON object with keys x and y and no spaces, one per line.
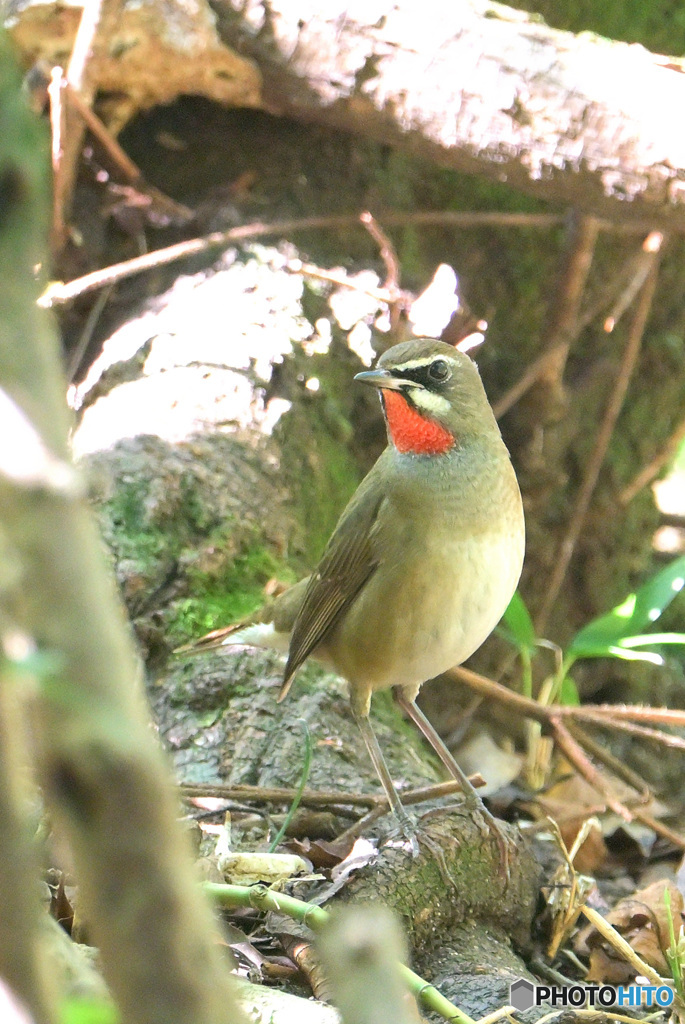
{"x":422,"y":563}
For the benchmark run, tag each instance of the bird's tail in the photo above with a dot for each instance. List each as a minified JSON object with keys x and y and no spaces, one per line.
{"x":240,"y":634}
{"x":223,"y":637}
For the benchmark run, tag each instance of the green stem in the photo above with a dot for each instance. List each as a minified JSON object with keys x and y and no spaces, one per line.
{"x":564,"y":669}
{"x":259,"y":897}
{"x":301,"y":787}
{"x":526,"y":673}
{"x":672,"y":952}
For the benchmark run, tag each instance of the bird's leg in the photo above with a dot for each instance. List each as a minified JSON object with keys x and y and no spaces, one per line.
{"x":376,"y":755}
{"x":471,"y":798}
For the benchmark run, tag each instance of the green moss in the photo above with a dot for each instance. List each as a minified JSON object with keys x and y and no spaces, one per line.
{"x":127,"y":530}
{"x":659,"y":24}
{"x":317,"y":461}
{"x":231,"y":595}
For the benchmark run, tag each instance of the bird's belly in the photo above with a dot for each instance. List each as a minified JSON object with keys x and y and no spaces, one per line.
{"x":427,"y":613}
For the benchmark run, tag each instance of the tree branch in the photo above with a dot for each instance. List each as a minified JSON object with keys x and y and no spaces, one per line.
{"x":484,"y":89}
{"x":104,"y":777}
{"x":596,"y":460}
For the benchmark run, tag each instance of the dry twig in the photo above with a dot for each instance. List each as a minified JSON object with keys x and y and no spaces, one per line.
{"x":609,"y":716}
{"x":320,"y":798}
{"x":59,"y":293}
{"x":610,"y":761}
{"x":98,"y":19}
{"x":163,"y":205}
{"x":613,"y":409}
{"x":392,"y":268}
{"x":565,"y":310}
{"x":557,"y":351}
{"x":614,"y":716}
{"x":654,"y":467}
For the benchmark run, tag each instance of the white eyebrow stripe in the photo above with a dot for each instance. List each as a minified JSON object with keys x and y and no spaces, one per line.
{"x":430,"y":402}
{"x":412,"y":364}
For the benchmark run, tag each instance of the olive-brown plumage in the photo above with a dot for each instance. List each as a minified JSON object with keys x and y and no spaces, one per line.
{"x":424,"y":559}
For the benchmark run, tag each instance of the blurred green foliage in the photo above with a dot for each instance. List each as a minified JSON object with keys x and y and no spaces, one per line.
{"x":657,"y":24}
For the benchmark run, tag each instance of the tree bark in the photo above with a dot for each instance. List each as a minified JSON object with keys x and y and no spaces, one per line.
{"x":481,"y":88}
{"x":475,"y":86}
{"x":105,"y":779}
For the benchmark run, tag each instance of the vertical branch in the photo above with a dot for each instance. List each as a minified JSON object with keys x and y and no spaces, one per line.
{"x":22,"y":963}
{"x":611,"y":414}
{"x":98,"y":20}
{"x":57,"y":127}
{"x":104,"y":777}
{"x":564,"y":316}
{"x":564,"y":321}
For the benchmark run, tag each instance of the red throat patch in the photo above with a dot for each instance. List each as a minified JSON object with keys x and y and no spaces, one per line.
{"x":412,"y":432}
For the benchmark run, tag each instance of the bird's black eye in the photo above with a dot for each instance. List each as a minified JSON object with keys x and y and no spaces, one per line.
{"x":439,"y":370}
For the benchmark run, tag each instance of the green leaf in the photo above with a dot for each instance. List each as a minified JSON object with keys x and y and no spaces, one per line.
{"x":88,"y":1011}
{"x":568,"y":695}
{"x":625,"y":654}
{"x":600,"y":637}
{"x":652,"y":639}
{"x":517,"y":619}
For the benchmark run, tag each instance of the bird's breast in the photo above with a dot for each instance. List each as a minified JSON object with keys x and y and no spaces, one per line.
{"x":442,"y":585}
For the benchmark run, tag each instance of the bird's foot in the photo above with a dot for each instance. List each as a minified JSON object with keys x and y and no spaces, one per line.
{"x":407,"y":826}
{"x":505,"y":844}
{"x":419,"y":840}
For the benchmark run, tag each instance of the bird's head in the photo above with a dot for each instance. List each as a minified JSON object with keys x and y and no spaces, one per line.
{"x":432,"y":396}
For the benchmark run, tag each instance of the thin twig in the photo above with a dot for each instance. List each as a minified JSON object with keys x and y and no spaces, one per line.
{"x":319,"y":798}
{"x":59,"y":293}
{"x":408,"y":798}
{"x":387,"y":251}
{"x":609,"y":933}
{"x":596,"y":460}
{"x":392,"y":268}
{"x":339,"y":278}
{"x":658,"y":827}
{"x":607,"y":715}
{"x":555,"y":352}
{"x":65,"y":172}
{"x":127,"y":169}
{"x":55,"y":88}
{"x":280,"y":795}
{"x":654,"y":467}
{"x":635,"y":713}
{"x":591,"y":1015}
{"x":613,"y":721}
{"x":530,"y":377}
{"x":610,"y":761}
{"x":574,"y":753}
{"x":87,"y":333}
{"x":643,"y":264}
{"x":565,"y":311}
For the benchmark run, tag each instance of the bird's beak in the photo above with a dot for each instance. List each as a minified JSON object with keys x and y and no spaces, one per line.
{"x":384,"y":379}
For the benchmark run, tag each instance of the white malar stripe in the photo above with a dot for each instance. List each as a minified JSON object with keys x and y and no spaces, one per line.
{"x":429,"y":402}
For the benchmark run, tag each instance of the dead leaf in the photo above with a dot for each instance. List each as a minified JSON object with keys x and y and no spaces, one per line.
{"x":321,"y":853}
{"x":642,"y":920}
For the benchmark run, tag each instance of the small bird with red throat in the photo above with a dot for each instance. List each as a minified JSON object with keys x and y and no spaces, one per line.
{"x":424,"y":559}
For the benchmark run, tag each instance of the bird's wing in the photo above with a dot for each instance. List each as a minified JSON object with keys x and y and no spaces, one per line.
{"x":348,"y":562}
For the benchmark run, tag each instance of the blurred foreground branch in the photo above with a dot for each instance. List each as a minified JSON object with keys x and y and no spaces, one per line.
{"x":104,"y":777}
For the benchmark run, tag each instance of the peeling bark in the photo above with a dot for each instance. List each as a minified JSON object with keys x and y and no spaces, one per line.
{"x":480,"y":88}
{"x":475,"y":86}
